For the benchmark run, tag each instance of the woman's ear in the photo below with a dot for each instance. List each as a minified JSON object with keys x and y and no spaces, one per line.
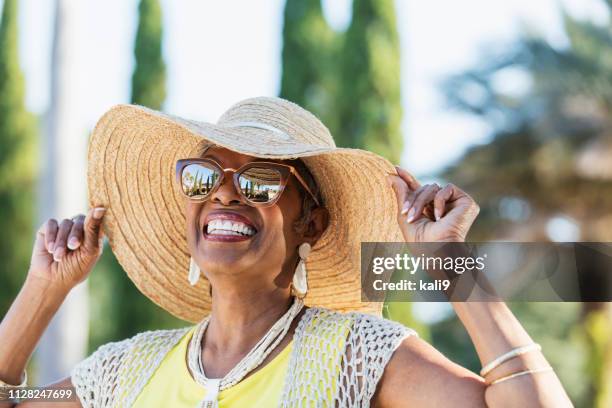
{"x":317,"y":224}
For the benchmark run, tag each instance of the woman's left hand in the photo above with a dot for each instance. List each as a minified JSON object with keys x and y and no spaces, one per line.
{"x":430,"y":213}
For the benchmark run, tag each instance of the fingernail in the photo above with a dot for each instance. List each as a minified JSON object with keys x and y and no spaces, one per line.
{"x":99,"y":212}
{"x":410,"y":216}
{"x":405,"y":208}
{"x":437,"y":214}
{"x":51,"y":245}
{"x":73,"y":243}
{"x":57,"y":256}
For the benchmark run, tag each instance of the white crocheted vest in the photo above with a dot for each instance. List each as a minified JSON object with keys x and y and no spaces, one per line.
{"x":115,"y":374}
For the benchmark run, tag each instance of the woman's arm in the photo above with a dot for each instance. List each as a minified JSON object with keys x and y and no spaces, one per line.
{"x":417,"y":374}
{"x":494,"y":330}
{"x":420,"y":376}
{"x":22,"y":328}
{"x":25,"y":323}
{"x":62,"y":257}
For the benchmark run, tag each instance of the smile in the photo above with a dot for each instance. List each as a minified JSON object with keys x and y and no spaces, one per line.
{"x":228,"y":226}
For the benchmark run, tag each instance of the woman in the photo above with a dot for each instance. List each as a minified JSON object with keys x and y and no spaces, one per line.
{"x":272,"y":218}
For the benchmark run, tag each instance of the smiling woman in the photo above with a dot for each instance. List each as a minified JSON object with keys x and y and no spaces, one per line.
{"x":271,"y":214}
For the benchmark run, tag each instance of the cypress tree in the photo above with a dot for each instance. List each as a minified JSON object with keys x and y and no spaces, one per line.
{"x":309,"y":76}
{"x":369,"y":97}
{"x":149,"y":78}
{"x":17,"y":155}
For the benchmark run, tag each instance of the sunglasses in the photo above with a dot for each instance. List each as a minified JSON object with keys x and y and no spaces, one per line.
{"x":259,"y":183}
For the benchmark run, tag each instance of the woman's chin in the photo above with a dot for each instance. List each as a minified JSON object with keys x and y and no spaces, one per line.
{"x":224,"y":257}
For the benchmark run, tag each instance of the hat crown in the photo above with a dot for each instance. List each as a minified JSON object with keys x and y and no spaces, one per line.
{"x":279,"y":115}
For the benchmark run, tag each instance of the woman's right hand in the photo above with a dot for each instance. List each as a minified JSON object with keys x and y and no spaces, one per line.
{"x":65,"y":253}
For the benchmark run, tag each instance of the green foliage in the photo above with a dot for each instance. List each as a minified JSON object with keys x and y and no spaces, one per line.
{"x":309,"y":65}
{"x":598,"y":335}
{"x":17,"y":158}
{"x":369,"y":103}
{"x":149,"y":78}
{"x":350,"y":80}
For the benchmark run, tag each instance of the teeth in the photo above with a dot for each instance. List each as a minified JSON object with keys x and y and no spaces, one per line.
{"x":223,"y":232}
{"x":227,"y":227}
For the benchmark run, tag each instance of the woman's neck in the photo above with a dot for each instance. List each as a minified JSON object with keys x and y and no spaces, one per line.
{"x":240,"y":318}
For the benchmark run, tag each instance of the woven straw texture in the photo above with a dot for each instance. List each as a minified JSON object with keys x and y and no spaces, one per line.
{"x":131,"y":160}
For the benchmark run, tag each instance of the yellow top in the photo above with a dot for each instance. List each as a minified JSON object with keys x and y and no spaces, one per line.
{"x":172,"y":385}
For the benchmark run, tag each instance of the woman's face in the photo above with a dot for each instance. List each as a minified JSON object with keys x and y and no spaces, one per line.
{"x":271,"y":250}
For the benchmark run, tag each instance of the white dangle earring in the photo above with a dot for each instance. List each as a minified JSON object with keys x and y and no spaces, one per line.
{"x":300,"y":281}
{"x":194,"y":272}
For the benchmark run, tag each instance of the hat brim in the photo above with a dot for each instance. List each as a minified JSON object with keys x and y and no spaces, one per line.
{"x":132,"y":154}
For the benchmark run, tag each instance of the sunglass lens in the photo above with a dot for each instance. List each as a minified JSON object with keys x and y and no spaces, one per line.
{"x":260,"y":184}
{"x":198,"y":179}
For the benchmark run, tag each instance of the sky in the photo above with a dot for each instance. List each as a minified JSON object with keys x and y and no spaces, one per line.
{"x":219,"y":52}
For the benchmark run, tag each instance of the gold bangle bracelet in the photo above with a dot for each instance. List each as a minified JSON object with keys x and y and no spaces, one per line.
{"x":521,"y":373}
{"x":24,"y":383}
{"x":508,"y":356}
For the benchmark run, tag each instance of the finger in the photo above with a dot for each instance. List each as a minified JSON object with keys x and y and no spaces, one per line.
{"x":408,"y":178}
{"x":442,"y":197}
{"x":93,"y":228}
{"x":50,"y":232}
{"x":410,"y":198}
{"x":40,"y":244}
{"x":400,"y":188}
{"x":75,"y":238}
{"x":461,"y":204}
{"x":425,"y":197}
{"x":428,"y":211}
{"x":60,"y":241}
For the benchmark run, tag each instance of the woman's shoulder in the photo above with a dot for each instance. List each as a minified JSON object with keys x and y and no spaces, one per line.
{"x":150,"y":340}
{"x":351,"y":347}
{"x":108,"y":367}
{"x":358,"y":322}
{"x":364,"y":334}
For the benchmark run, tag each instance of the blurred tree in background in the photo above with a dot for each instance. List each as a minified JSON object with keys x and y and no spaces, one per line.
{"x":309,"y":63}
{"x":549,"y":161}
{"x":350,"y":80}
{"x":17,"y":157}
{"x":369,"y":103}
{"x":119,"y":310}
{"x":149,"y":78}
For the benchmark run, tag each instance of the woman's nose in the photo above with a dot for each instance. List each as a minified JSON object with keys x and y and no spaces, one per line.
{"x":226,"y":194}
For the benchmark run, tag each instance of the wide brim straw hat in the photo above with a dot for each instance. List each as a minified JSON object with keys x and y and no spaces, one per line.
{"x":131,"y":166}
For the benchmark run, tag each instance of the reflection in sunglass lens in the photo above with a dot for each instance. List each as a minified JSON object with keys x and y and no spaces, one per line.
{"x":260,"y":184}
{"x":198,"y":179}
